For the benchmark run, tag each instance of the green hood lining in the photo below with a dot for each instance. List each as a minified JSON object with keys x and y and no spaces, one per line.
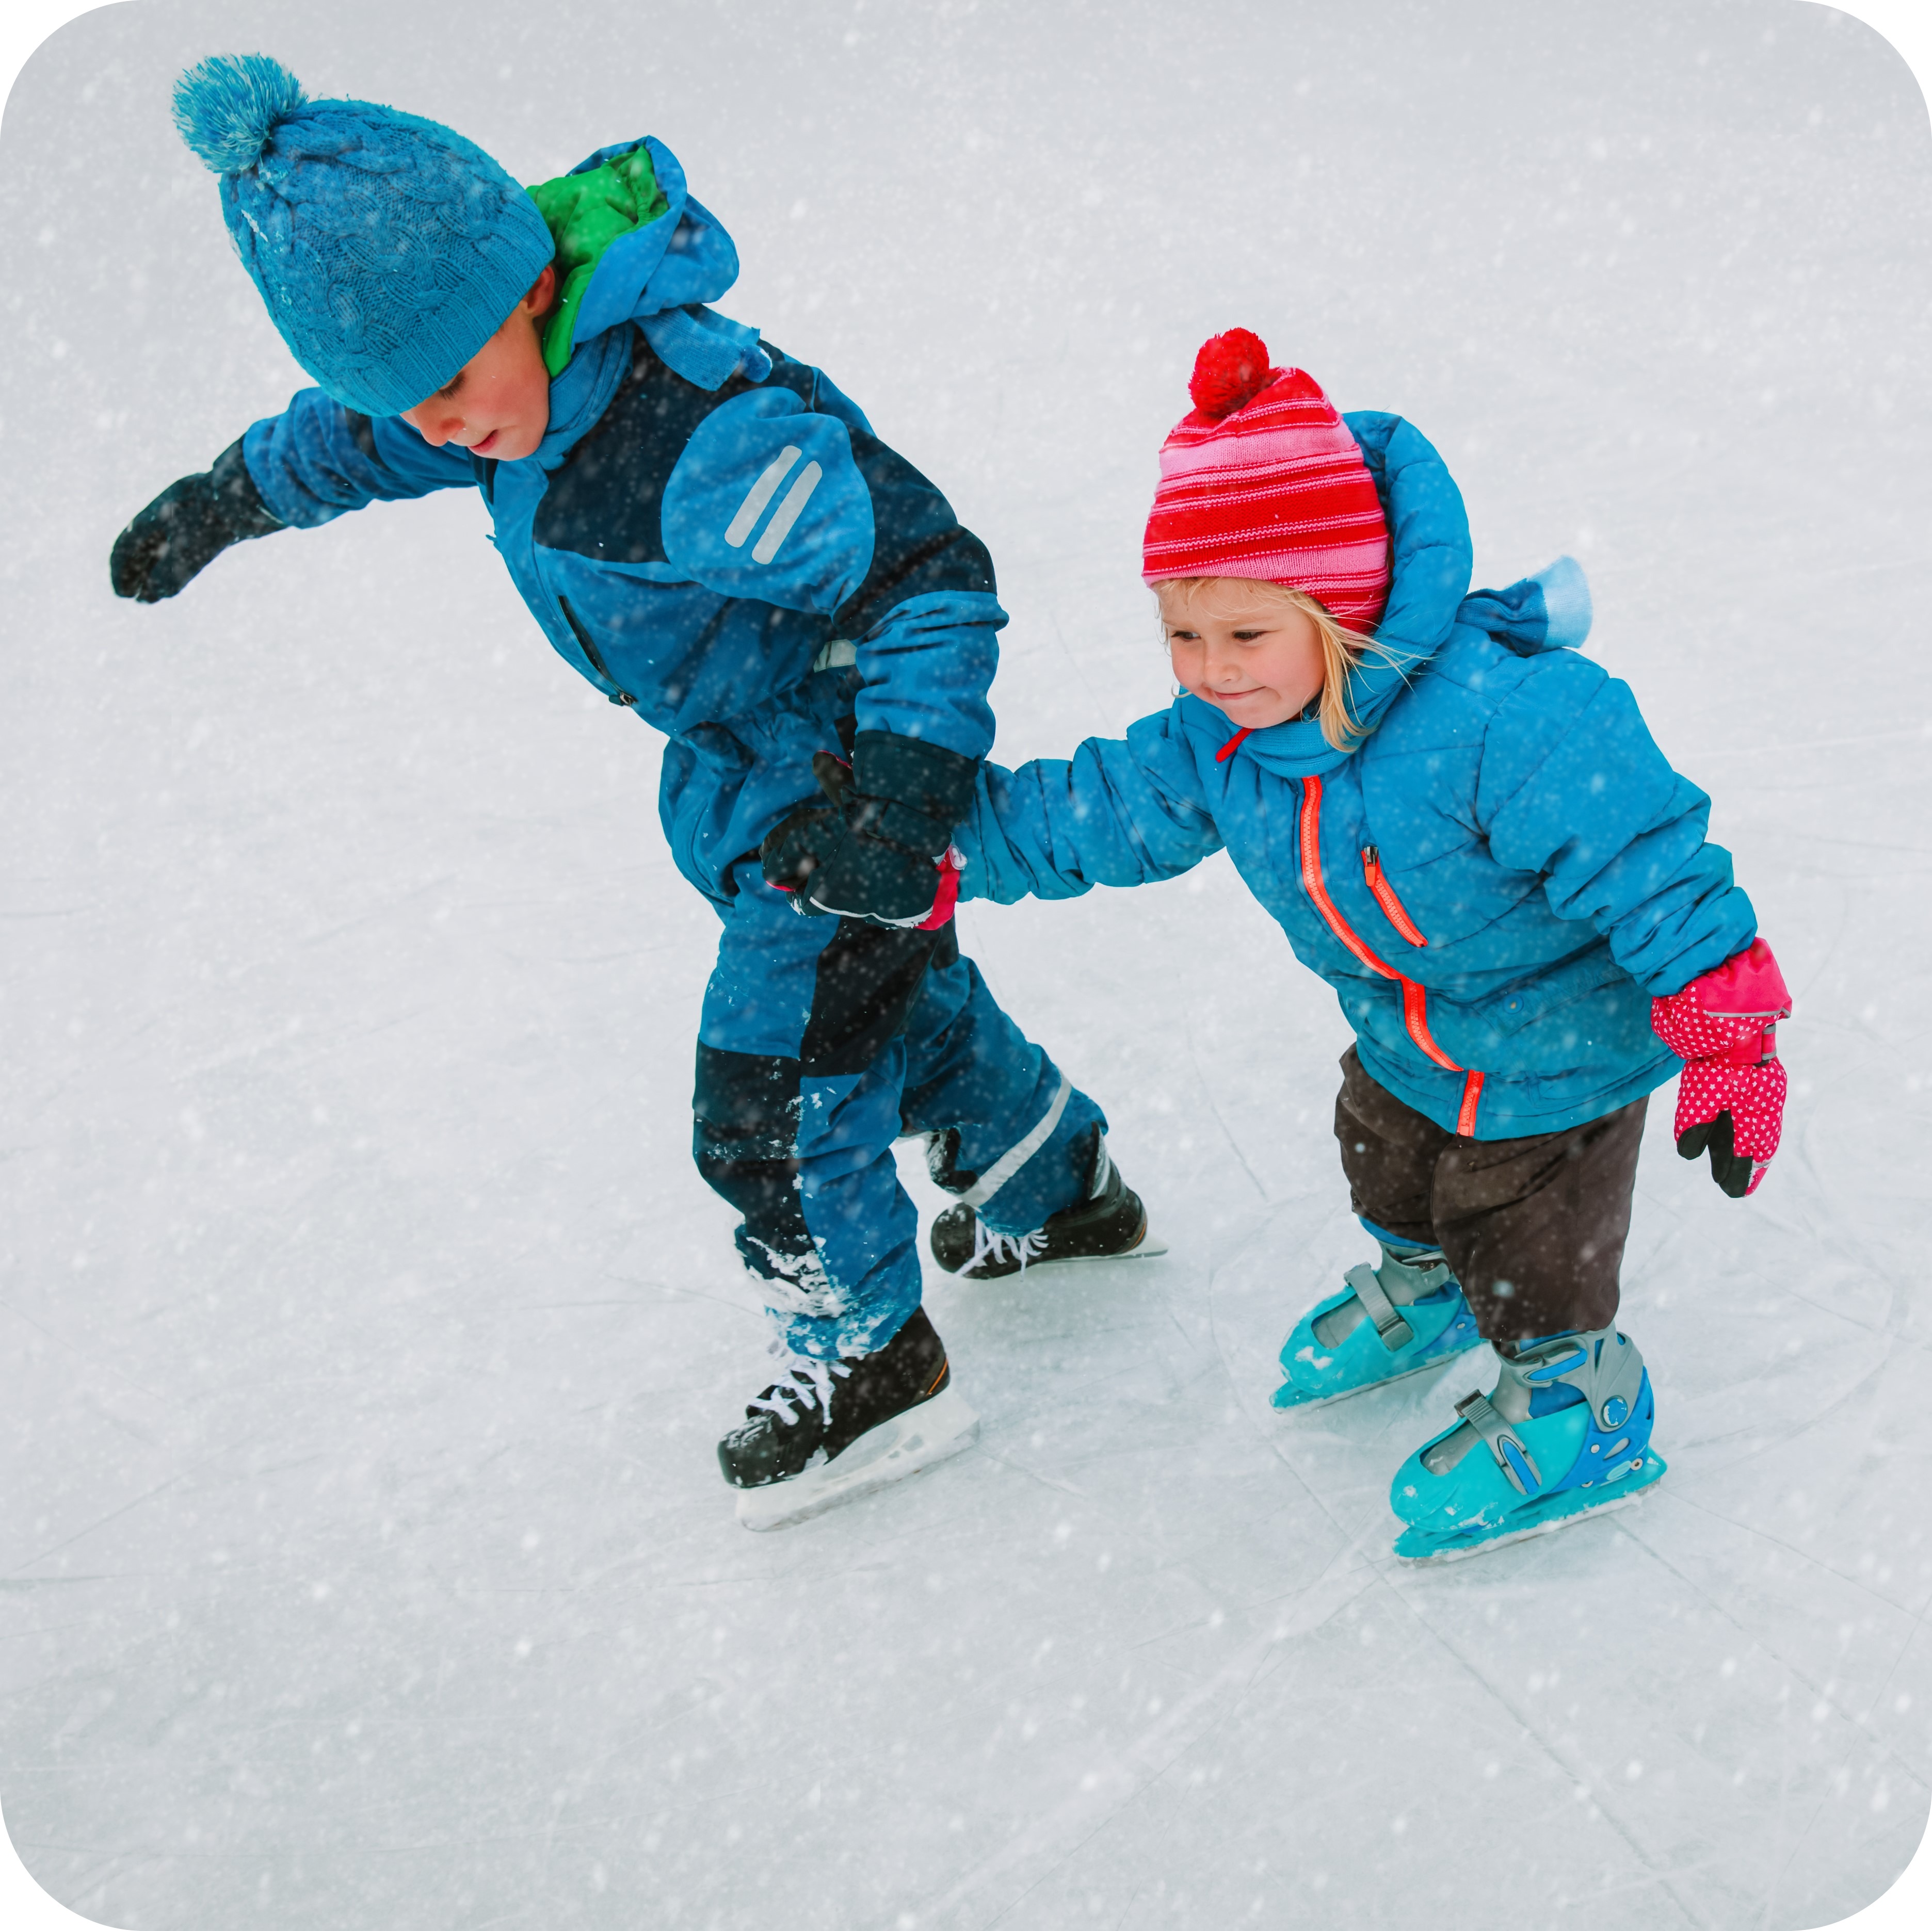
{"x":585,"y":213}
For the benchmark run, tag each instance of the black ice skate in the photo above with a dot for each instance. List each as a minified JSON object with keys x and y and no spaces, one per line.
{"x":1109,"y":1225}
{"x":827,"y":1430}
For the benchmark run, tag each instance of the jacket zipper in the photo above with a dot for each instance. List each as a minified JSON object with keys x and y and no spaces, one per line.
{"x":1415,"y":998}
{"x":1385,"y":895}
{"x":617,"y":695}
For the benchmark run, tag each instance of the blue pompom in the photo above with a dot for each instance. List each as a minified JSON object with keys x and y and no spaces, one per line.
{"x":226,"y":107}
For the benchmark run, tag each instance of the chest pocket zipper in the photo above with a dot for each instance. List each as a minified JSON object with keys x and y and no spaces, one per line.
{"x":591,"y":656}
{"x":1384,"y":897}
{"x":1414,"y":997}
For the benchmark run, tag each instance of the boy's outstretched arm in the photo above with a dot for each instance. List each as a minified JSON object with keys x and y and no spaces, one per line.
{"x":1118,"y":812}
{"x":304,"y":468}
{"x":186,"y":527}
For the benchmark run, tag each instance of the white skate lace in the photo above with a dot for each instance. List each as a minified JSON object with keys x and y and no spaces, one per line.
{"x":806,"y":1383}
{"x":1001,"y":1248}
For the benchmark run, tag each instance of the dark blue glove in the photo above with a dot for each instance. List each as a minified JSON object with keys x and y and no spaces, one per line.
{"x":874,"y":851}
{"x":186,"y":527}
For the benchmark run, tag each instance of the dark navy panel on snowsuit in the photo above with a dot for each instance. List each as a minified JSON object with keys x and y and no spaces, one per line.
{"x":711,"y":535}
{"x":1496,"y":883}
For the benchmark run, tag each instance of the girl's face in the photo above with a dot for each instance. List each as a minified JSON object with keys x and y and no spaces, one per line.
{"x":1260,"y":661}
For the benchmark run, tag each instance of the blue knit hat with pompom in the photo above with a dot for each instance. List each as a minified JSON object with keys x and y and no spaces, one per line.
{"x":388,"y":249}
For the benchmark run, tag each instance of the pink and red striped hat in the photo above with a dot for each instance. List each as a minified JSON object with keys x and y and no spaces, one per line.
{"x":1263,"y":479}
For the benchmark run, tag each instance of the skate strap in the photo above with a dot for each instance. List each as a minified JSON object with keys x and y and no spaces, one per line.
{"x":1395,"y":1331}
{"x":1515,"y":1461}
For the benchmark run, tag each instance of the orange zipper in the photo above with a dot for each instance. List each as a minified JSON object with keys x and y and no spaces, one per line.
{"x":1414,"y":997}
{"x":1385,"y":892}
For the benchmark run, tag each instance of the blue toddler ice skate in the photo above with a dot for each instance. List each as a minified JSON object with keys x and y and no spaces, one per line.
{"x":1387,"y":1321}
{"x":1566,"y":1431}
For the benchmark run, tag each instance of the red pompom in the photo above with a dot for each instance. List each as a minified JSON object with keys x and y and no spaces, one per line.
{"x":1230,"y":370}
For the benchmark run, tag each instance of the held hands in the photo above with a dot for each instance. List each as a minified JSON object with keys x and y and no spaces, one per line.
{"x":1730,"y":1099}
{"x":186,"y":527}
{"x":881,"y":855}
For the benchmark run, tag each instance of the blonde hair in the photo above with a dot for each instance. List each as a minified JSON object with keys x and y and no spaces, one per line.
{"x":1342,"y":649}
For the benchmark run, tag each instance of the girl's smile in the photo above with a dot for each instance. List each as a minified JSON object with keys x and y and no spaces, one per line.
{"x":1257,"y":659}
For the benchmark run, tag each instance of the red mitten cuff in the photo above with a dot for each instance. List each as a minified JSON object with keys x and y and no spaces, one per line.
{"x":1730,"y":1098}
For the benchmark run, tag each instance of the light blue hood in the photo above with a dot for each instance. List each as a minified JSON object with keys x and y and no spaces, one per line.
{"x":1429,"y":598}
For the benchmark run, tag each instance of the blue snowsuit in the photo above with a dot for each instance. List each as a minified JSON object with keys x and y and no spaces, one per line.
{"x":711,"y":533}
{"x":1495,"y":882}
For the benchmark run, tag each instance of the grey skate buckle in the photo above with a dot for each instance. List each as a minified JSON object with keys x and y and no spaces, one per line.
{"x":1394,"y":1330}
{"x":1515,"y":1461}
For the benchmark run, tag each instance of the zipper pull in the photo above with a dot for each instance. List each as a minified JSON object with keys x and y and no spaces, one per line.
{"x":1383,"y":895}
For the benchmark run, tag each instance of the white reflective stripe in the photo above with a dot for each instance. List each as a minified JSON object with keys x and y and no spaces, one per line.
{"x":1010,"y":1161}
{"x":779,"y":528}
{"x":760,"y":494}
{"x":841,"y":654}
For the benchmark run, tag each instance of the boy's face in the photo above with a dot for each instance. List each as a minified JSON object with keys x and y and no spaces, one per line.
{"x":498,"y":403}
{"x":1260,"y":661}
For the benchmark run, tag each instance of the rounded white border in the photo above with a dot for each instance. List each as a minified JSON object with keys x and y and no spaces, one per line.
{"x":24,"y":1905}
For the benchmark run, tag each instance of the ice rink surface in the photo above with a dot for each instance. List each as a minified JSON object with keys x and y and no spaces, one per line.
{"x":365,"y":1329}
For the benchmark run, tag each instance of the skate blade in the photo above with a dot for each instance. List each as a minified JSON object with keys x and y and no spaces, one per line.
{"x":899,"y":1447}
{"x":1149,"y":1245}
{"x":1583,"y":1504}
{"x":1301,"y":1397}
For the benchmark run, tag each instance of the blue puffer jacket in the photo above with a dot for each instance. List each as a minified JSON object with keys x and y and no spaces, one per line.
{"x":709,"y":532}
{"x":1496,"y":883}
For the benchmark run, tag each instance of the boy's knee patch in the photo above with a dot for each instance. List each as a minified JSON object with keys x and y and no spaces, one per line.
{"x":744,"y":1106}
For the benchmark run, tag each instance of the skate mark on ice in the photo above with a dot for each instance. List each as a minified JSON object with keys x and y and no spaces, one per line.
{"x":1818,"y":1691}
{"x":1795,"y":1431}
{"x":1400,"y":1584}
{"x":1051,"y":1483}
{"x":140,"y":1501}
{"x":1214,"y":1107}
{"x":1275,"y":1439}
{"x":93,"y":1360}
{"x":1678,"y":1494}
{"x":1060,"y":1834}
{"x":1060,"y":637}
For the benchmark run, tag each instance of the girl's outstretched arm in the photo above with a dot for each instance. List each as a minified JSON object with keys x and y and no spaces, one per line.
{"x":1118,"y":812}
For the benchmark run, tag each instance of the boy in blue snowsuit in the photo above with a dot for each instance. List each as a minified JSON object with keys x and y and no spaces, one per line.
{"x":711,"y":534}
{"x":1464,"y":826}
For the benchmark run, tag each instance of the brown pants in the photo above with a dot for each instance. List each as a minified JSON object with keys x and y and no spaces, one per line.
{"x":1534,"y":1229}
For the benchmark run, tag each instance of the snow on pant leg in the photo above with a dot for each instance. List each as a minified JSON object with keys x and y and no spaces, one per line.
{"x":799,"y":1069}
{"x":1016,"y":1135}
{"x":1534,"y":1227}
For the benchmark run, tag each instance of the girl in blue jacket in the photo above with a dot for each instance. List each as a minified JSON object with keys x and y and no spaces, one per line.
{"x":711,"y":534}
{"x":1464,"y":826}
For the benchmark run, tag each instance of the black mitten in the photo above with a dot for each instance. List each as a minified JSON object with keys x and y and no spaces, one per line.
{"x":186,"y":527}
{"x":873,"y":853}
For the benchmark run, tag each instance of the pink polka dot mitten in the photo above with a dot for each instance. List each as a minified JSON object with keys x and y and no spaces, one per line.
{"x":1730,"y":1099}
